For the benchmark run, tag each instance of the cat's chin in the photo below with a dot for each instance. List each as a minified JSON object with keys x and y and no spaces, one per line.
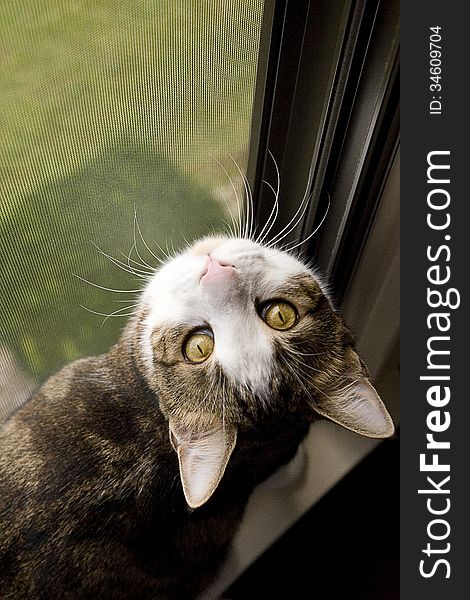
{"x":206,"y":245}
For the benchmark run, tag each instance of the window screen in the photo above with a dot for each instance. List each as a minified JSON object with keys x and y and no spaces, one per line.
{"x":120,"y":121}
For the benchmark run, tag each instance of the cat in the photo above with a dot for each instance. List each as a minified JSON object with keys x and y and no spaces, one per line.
{"x":125,"y":476}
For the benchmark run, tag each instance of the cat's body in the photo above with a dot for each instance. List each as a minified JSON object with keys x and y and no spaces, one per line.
{"x":126,"y":475}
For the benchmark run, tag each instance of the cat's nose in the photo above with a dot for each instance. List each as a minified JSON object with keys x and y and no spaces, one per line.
{"x":215,"y":271}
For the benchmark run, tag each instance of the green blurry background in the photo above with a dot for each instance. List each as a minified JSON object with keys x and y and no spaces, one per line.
{"x":107,"y":106}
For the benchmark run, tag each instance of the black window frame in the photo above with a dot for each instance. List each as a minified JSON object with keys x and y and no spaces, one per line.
{"x":327,"y":108}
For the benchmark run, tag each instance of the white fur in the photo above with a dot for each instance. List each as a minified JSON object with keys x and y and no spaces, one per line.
{"x":243,"y":342}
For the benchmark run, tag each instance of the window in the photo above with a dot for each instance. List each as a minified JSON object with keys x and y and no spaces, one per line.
{"x":121,"y":122}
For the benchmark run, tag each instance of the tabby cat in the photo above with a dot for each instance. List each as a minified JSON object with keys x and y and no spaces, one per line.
{"x":125,"y":476}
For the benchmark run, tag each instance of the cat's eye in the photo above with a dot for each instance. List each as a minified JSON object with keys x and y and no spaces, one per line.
{"x":198,"y":346}
{"x":279,"y":315}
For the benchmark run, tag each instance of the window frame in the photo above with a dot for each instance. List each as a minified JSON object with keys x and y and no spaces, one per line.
{"x":342,"y":158}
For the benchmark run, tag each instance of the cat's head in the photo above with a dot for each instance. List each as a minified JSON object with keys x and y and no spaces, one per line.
{"x":233,"y":334}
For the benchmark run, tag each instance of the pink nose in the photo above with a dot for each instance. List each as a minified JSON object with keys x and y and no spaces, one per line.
{"x":215,"y":270}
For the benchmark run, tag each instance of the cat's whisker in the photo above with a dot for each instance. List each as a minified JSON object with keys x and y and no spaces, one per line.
{"x":248,"y":233}
{"x":144,"y":242}
{"x":230,"y":230}
{"x":129,"y":254}
{"x":169,"y":255}
{"x":174,"y":251}
{"x":165,"y":254}
{"x":140,"y":265}
{"x":101,"y":287}
{"x":297,"y":356}
{"x":129,"y":260}
{"x":209,"y":393}
{"x":289,"y":249}
{"x":116,"y":313}
{"x":118,"y":263}
{"x":275,"y":208}
{"x":303,"y":365}
{"x":135,"y":247}
{"x":297,"y":351}
{"x":295,"y":220}
{"x":287,"y":229}
{"x":236,"y":197}
{"x":186,"y":241}
{"x":303,"y":382}
{"x":332,"y":399}
{"x":214,"y":401}
{"x":295,"y":374}
{"x":220,"y":403}
{"x":223,"y":405}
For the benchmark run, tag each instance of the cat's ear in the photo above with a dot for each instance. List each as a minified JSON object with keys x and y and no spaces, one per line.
{"x":358,"y":407}
{"x":203,"y":455}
